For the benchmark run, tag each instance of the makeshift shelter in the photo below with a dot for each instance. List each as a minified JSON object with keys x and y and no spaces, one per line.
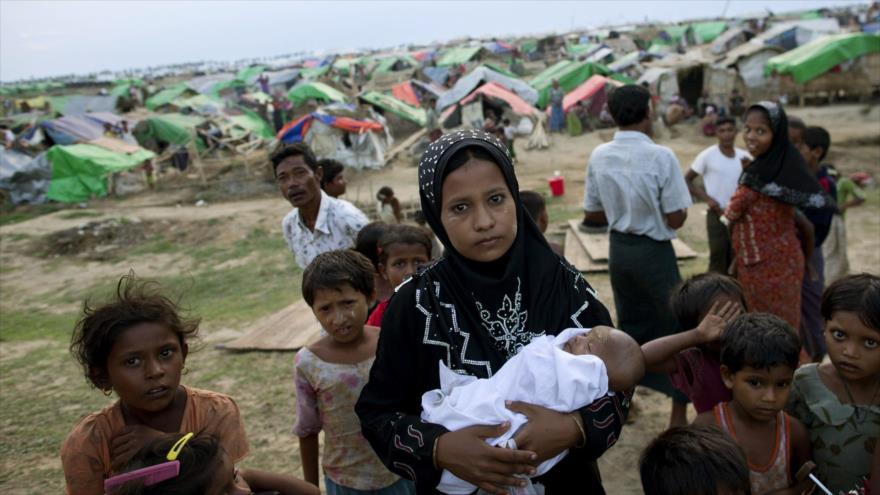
{"x":438,"y":75}
{"x":206,"y":84}
{"x":158,"y":131}
{"x":199,"y":104}
{"x":496,"y":91}
{"x":354,"y":142}
{"x":72,"y":129}
{"x":318,"y":91}
{"x":499,"y":47}
{"x":569,"y":74}
{"x":749,"y":60}
{"x":24,"y":178}
{"x":312,"y":73}
{"x":662,"y":81}
{"x":250,"y":74}
{"x":397,"y":107}
{"x":282,"y":80}
{"x":80,"y":104}
{"x":847,"y":63}
{"x":593,"y":93}
{"x":731,"y":39}
{"x":482,"y":75}
{"x":168,"y":95}
{"x":250,"y":122}
{"x":460,"y":55}
{"x":79,"y":171}
{"x":818,"y":57}
{"x":412,"y":92}
{"x":706,"y":32}
{"x":493,"y":96}
{"x":792,"y":34}
{"x":396,"y":63}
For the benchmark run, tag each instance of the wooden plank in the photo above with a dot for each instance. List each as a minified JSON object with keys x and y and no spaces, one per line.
{"x":403,"y":146}
{"x":597,"y":245}
{"x":290,"y":329}
{"x":576,"y":255}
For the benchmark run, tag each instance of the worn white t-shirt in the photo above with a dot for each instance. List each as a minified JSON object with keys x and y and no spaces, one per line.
{"x":720,"y":173}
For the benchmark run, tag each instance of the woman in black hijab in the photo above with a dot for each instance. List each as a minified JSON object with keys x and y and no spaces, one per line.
{"x":763,"y":218}
{"x":498,"y":286}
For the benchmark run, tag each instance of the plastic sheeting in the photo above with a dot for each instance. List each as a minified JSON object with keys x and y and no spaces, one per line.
{"x":80,"y":104}
{"x":395,"y":106}
{"x":814,"y":59}
{"x":495,"y":90}
{"x":79,"y":171}
{"x":303,"y":92}
{"x":569,"y":74}
{"x":482,"y":75}
{"x":25,"y":177}
{"x":73,"y":129}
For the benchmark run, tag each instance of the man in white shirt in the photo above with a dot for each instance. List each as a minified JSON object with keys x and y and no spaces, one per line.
{"x":720,"y":166}
{"x":636,"y":187}
{"x":317,"y":223}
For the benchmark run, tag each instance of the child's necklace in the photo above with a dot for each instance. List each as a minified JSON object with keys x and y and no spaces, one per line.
{"x":852,"y":399}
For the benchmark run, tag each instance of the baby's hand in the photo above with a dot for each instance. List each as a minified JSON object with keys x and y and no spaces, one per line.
{"x":714,"y":323}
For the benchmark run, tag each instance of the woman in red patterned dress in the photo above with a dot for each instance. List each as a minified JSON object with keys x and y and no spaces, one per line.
{"x":764,"y":219}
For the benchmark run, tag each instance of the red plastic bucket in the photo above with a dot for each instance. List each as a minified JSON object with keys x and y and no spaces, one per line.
{"x":557,"y":186}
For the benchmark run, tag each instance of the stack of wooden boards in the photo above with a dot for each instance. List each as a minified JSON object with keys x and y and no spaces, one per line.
{"x":589,"y":252}
{"x":287,"y":330}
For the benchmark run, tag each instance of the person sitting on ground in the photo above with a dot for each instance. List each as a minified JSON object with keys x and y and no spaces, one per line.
{"x":317,"y":223}
{"x":333,"y":181}
{"x":694,"y":460}
{"x":537,"y":209}
{"x":759,"y":353}
{"x":202,"y":467}
{"x":388,"y":206}
{"x":402,"y":249}
{"x":136,"y":345}
{"x":562,"y":373}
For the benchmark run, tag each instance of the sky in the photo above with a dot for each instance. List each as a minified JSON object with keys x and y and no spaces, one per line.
{"x":46,"y":38}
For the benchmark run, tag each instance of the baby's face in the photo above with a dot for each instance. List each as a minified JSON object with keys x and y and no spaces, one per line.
{"x":591,"y":343}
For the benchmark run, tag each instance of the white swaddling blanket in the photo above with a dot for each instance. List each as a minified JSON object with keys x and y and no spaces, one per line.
{"x":541,"y":373}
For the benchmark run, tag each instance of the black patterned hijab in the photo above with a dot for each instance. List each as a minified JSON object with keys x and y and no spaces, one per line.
{"x":782,"y":172}
{"x":486,"y":312}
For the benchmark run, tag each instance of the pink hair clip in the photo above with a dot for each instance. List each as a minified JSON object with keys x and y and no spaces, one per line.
{"x":151,"y":475}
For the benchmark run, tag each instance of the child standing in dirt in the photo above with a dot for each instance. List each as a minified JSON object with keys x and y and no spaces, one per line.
{"x":401,"y":250}
{"x":759,"y":353}
{"x":330,"y":374}
{"x":136,"y":345}
{"x":388,"y":206}
{"x":706,"y":303}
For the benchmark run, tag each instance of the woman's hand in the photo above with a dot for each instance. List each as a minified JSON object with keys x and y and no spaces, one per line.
{"x":466,"y":454}
{"x":547,"y":433}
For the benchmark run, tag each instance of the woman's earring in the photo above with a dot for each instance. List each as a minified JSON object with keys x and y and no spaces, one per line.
{"x":184,"y":371}
{"x":107,"y":391}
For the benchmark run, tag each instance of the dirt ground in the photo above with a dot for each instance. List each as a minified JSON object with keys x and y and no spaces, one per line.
{"x":230,"y":254}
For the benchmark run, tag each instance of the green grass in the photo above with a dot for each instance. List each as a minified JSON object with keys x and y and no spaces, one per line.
{"x":24,"y":213}
{"x":19,"y":325}
{"x":81,"y":214}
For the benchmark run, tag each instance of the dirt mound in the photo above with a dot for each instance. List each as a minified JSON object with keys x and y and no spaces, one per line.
{"x":100,"y":240}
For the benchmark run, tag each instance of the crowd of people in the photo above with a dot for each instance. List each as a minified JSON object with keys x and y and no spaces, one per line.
{"x":429,"y":362}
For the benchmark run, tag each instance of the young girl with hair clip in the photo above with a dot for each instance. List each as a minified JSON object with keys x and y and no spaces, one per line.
{"x":498,"y":286}
{"x":136,"y":346}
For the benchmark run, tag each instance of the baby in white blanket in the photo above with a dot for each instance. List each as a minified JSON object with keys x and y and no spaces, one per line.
{"x":562,"y":373}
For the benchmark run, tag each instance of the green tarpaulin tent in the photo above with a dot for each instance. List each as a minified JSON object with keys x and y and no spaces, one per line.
{"x":168,"y":95}
{"x":578,"y":50}
{"x":302,"y":92}
{"x":500,"y":70}
{"x":200,"y":104}
{"x":387,"y":64}
{"x":250,"y":121}
{"x":676,"y":33}
{"x":528,"y":46}
{"x":173,"y":128}
{"x":570,"y":75}
{"x":314,"y":73}
{"x":249,"y":73}
{"x":460,"y":55}
{"x":395,"y":106}
{"x":821,"y":55}
{"x":224,"y":85}
{"x":704,"y":32}
{"x":79,"y":171}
